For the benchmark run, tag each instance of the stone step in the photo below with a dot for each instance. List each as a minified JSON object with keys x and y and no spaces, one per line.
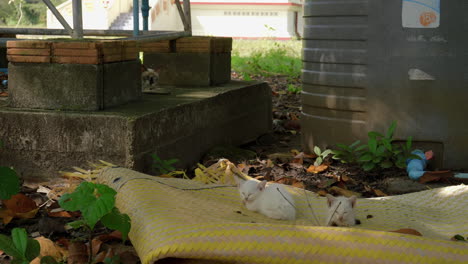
{"x":184,"y":124}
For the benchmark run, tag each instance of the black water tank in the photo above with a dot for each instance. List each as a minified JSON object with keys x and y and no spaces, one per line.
{"x":366,"y":63}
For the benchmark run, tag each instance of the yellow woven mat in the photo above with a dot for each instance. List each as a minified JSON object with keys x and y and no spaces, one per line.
{"x":185,"y":219}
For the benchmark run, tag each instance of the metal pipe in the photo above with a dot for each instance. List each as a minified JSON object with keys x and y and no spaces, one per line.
{"x":162,"y":36}
{"x":88,"y":32}
{"x":77,"y":19}
{"x":145,"y":13}
{"x":182,"y":15}
{"x":59,"y":17}
{"x":188,"y":16}
{"x":136,"y":19}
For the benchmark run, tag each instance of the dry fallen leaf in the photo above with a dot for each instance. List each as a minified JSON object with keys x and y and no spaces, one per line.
{"x":326,"y":183}
{"x":61,"y":213}
{"x":317,"y":169}
{"x":379,"y":193}
{"x":109,"y":253}
{"x":49,"y":248}
{"x":114,"y":235}
{"x":295,"y":152}
{"x":281,"y":157}
{"x":20,"y":206}
{"x":345,"y":178}
{"x":407,"y":231}
{"x":291,"y":181}
{"x":299,"y":184}
{"x":129,"y":257}
{"x":77,"y":253}
{"x":19,"y":203}
{"x":432,"y":176}
{"x":340,"y":191}
{"x":322,"y":193}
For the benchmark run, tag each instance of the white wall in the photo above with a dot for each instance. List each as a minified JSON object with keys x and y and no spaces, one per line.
{"x":271,"y":18}
{"x":97,"y":14}
{"x":163,"y":15}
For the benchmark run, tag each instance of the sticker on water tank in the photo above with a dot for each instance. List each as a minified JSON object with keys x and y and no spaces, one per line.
{"x":420,"y":13}
{"x":419,"y":75}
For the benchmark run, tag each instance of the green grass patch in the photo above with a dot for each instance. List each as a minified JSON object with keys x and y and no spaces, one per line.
{"x":267,"y":58}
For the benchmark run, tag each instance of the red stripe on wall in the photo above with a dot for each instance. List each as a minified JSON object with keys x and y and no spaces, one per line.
{"x":241,"y":3}
{"x":257,"y":38}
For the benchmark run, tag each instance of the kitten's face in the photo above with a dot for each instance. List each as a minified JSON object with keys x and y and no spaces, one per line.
{"x":343,"y":209}
{"x":149,"y":78}
{"x":250,"y":190}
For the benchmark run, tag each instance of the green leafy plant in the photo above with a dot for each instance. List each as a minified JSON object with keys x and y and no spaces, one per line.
{"x":9,"y":183}
{"x":163,"y":166}
{"x":267,"y":58}
{"x":320,"y":155}
{"x":96,"y":202}
{"x":384,"y":153}
{"x":113,"y":260}
{"x":348,"y":154}
{"x":294,"y":88}
{"x":19,"y":246}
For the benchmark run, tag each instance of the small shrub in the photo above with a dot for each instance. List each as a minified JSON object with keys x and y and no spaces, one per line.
{"x":267,"y":58}
{"x":320,"y":155}
{"x":19,"y":246}
{"x":96,"y":202}
{"x":294,"y":88}
{"x":163,"y":166}
{"x":348,"y":154}
{"x":382,"y":152}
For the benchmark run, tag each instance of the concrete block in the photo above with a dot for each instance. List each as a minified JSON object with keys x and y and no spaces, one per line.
{"x":183,"y":125}
{"x":73,"y":86}
{"x":191,"y":69}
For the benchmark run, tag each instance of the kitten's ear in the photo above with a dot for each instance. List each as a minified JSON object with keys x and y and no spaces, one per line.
{"x":353,"y":200}
{"x":238,"y":181}
{"x":261,"y":185}
{"x":143,"y":68}
{"x":330,"y":199}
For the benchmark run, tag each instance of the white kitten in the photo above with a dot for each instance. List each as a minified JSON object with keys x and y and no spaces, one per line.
{"x":268,"y":199}
{"x":149,"y":78}
{"x":341,"y":211}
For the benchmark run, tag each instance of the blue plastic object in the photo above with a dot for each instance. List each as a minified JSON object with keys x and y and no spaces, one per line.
{"x":5,"y":82}
{"x":415,"y":167}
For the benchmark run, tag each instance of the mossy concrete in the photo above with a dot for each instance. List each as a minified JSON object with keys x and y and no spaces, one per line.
{"x":190,"y":69}
{"x":182,"y":125}
{"x":73,"y":86}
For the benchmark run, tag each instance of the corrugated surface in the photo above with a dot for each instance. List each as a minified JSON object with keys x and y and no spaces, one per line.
{"x":334,"y":71}
{"x":187,"y":219}
{"x":363,"y":69}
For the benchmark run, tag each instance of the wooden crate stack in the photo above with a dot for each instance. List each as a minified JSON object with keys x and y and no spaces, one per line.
{"x":161,"y":46}
{"x":203,"y":45}
{"x":76,"y":52}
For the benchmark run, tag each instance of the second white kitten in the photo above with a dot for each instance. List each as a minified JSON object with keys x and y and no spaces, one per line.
{"x":341,"y":211}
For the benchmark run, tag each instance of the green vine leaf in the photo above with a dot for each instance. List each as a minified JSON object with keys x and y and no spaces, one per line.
{"x":33,"y":249}
{"x":7,"y":245}
{"x":20,"y":239}
{"x":9,"y":185}
{"x":93,"y":200}
{"x":117,"y":221}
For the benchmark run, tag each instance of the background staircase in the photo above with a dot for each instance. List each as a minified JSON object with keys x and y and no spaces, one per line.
{"x":125,"y":20}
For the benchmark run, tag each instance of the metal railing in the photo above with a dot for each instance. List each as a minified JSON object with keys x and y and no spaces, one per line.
{"x":77,"y":31}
